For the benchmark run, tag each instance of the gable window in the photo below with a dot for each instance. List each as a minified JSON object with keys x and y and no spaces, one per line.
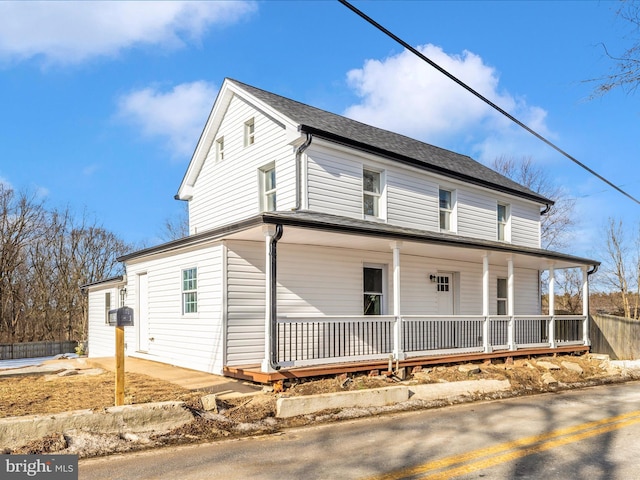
{"x":220,"y":149}
{"x":371,"y":193}
{"x":268,"y":188}
{"x":249,"y":132}
{"x":107,"y":306}
{"x":502,"y":296}
{"x":190,"y":290}
{"x":503,"y":222}
{"x":372,"y":289}
{"x":446,"y":209}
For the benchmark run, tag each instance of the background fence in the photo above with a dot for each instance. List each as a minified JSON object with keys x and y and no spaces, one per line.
{"x":10,"y":351}
{"x":617,"y":337}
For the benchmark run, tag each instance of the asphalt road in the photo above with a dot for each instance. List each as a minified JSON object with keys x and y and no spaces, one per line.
{"x":591,"y":433}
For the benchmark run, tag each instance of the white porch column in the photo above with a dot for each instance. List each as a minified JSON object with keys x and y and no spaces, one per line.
{"x":397,"y":330}
{"x":269,"y":231}
{"x":585,"y":306}
{"x":486,"y":344}
{"x":552,"y":306}
{"x":511,"y":303}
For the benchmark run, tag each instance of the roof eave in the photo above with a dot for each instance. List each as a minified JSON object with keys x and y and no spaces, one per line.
{"x":421,"y":165}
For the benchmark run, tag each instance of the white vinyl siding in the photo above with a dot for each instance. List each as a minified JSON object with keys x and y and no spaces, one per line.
{"x":226,"y":192}
{"x":476,"y":214}
{"x":245,"y":303}
{"x":334,"y":183}
{"x":101,"y":334}
{"x":412,"y":200}
{"x":525,"y":224}
{"x":193,"y":340}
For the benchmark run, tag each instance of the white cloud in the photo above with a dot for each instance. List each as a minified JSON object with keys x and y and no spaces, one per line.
{"x":70,"y":32}
{"x":404,"y":94}
{"x":177,"y":115}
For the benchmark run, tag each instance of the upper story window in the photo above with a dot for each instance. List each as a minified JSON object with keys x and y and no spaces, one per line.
{"x":503,"y":222}
{"x":446,"y":209}
{"x":502,"y":296}
{"x":268,"y":188}
{"x":371,"y":193}
{"x":190,"y":290}
{"x":249,"y":132}
{"x":220,"y":148}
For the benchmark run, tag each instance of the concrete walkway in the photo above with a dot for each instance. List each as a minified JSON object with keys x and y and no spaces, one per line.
{"x":186,"y":378}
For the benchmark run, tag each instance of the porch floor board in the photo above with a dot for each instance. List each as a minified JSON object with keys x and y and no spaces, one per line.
{"x":254,"y":374}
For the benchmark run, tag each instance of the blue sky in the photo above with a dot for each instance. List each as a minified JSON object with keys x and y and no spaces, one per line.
{"x":102,"y":103}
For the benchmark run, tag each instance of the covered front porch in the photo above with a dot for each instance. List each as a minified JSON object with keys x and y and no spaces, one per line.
{"x":491,"y":306}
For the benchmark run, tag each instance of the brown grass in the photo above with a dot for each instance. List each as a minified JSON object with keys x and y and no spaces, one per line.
{"x":36,"y":395}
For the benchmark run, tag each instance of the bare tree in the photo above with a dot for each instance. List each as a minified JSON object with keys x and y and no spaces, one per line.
{"x":557,"y":224}
{"x":625,"y":72}
{"x":619,"y":271}
{"x":177,"y":226}
{"x":45,"y":256}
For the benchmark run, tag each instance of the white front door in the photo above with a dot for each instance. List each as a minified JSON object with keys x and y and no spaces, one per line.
{"x":143,"y":313}
{"x":444,"y":289}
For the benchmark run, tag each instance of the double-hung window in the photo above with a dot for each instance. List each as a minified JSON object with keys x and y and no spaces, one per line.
{"x":446,"y":209}
{"x":190,"y":290}
{"x":503,"y":222}
{"x":220,"y":149}
{"x":249,"y":132}
{"x":268,"y":188}
{"x":502,"y":296}
{"x":373,"y":291}
{"x":371,"y":193}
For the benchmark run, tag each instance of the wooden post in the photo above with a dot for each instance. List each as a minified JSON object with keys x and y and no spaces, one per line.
{"x":119,"y":366}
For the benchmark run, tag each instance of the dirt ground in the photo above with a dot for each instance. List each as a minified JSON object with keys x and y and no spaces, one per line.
{"x":251,"y":415}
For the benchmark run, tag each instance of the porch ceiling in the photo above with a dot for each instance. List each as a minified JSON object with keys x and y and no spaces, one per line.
{"x":466,"y":251}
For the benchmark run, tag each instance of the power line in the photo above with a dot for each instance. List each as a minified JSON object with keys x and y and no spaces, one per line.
{"x":482,"y":97}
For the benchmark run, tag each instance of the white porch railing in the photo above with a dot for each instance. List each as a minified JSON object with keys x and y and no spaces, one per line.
{"x":317,"y":340}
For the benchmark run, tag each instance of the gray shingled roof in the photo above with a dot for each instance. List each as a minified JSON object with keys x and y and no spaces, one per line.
{"x":392,"y":145}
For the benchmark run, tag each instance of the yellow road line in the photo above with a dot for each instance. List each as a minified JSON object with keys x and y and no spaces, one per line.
{"x":521,"y":447}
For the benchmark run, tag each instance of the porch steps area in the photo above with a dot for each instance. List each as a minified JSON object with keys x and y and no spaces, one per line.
{"x":254,"y":374}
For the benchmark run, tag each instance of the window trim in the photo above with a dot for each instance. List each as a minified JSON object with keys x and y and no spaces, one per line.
{"x":220,"y":148}
{"x":187,"y":292}
{"x":378,"y":196}
{"x":249,"y":132}
{"x":264,"y":193}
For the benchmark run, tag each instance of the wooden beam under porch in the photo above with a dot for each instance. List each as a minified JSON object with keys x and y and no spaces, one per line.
{"x":253,"y":373}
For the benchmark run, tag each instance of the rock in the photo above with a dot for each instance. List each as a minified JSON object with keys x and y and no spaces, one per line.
{"x":422,"y":375}
{"x":402,"y":373}
{"x":209,"y":403}
{"x":548,"y":379}
{"x":469,"y":369}
{"x":129,"y":437}
{"x":68,"y":373}
{"x":574,"y":367}
{"x":548,"y":365}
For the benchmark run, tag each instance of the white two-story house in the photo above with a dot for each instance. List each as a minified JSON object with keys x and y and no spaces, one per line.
{"x":317,"y":241}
